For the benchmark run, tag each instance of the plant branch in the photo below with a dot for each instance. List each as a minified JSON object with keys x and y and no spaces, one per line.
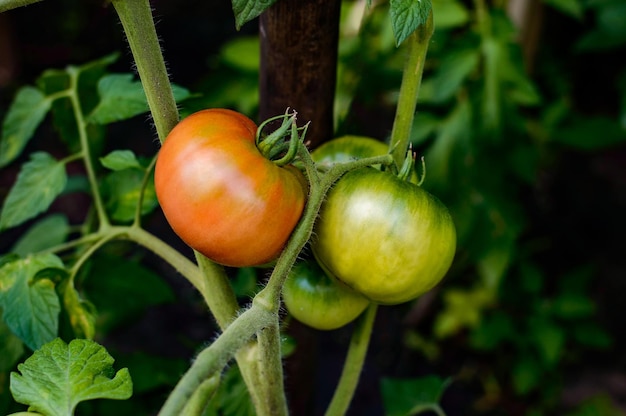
{"x":136,"y":18}
{"x":103,"y":218}
{"x":271,"y":366}
{"x":213,"y":359}
{"x":354,"y":363}
{"x":417,"y":46}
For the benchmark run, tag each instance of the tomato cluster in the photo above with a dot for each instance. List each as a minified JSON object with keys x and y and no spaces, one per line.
{"x":379,"y":237}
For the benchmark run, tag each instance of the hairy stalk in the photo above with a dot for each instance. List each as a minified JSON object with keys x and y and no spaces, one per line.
{"x":275,"y":402}
{"x":84,"y":144}
{"x":202,"y":396}
{"x":136,"y":18}
{"x":354,"y":363}
{"x":213,"y":359}
{"x":417,"y":46}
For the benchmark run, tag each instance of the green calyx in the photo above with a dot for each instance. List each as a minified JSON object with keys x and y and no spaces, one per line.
{"x":281,"y":145}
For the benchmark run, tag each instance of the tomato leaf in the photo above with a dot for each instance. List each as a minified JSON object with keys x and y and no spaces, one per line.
{"x":59,"y":376}
{"x":120,"y":160}
{"x":246,"y":10}
{"x":111,"y":276}
{"x":44,"y":234}
{"x":27,"y":111}
{"x":450,"y":14}
{"x":122,"y":190}
{"x":12,"y":4}
{"x":121,"y":97}
{"x":81,"y":313}
{"x":407,"y":16}
{"x":39,"y":182}
{"x":11,"y":347}
{"x":31,"y":306}
{"x":412,"y":396}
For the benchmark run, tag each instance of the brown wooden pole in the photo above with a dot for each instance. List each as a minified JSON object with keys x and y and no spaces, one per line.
{"x":299,"y":61}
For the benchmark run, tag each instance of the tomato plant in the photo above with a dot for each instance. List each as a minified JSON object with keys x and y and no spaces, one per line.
{"x":318,"y":300}
{"x":384,"y":237}
{"x":221,"y":195}
{"x":346,"y":148}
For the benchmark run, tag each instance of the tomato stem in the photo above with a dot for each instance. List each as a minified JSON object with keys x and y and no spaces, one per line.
{"x":138,"y":24}
{"x":215,"y":357}
{"x":353,"y":365}
{"x":103,"y":218}
{"x":274,"y":400}
{"x":417,"y":47}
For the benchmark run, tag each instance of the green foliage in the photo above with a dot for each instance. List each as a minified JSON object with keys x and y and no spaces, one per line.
{"x":59,"y":376}
{"x":40,"y":181}
{"x":405,"y":397}
{"x":407,"y":16}
{"x":30,"y":304}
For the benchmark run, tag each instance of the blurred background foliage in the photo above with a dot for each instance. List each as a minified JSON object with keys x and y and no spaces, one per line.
{"x":522,"y":124}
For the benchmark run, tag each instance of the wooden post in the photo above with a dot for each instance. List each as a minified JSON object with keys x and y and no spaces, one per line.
{"x":299,"y":61}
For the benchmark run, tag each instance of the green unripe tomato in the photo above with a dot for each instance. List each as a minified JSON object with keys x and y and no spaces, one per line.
{"x":383,"y":236}
{"x":347,"y":148}
{"x":319,"y":301}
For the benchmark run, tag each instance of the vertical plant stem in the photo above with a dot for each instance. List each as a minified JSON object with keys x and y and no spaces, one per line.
{"x":274,"y":400}
{"x":354,"y":363}
{"x":217,"y":291}
{"x":213,"y":359}
{"x":136,"y":18}
{"x":201,"y":397}
{"x":103,"y":218}
{"x":417,"y":47}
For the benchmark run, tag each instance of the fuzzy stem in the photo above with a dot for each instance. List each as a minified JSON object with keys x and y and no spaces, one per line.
{"x":417,"y":46}
{"x":274,"y":400}
{"x":136,"y":18}
{"x":103,"y":218}
{"x":213,"y":359}
{"x":353,"y":364}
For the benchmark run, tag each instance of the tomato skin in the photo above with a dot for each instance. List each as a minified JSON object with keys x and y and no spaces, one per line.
{"x":220,"y":195}
{"x":386,"y":238}
{"x":318,"y":300}
{"x":347,"y":148}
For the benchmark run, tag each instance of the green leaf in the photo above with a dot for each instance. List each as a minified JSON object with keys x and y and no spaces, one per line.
{"x":493,"y":331}
{"x":81,"y":313}
{"x":591,"y":335}
{"x":59,"y":376}
{"x":45,"y":233}
{"x":583,"y":133}
{"x":121,"y":97}
{"x":242,"y":53}
{"x":11,"y":347}
{"x":573,"y":8}
{"x":122,"y":190}
{"x":407,"y":16}
{"x":246,"y":10}
{"x":120,"y":160}
{"x":573,"y":306}
{"x":150,"y":372}
{"x":38,"y":184}
{"x":27,"y":111}
{"x":549,"y":339}
{"x":527,"y":375}
{"x":31,"y":306}
{"x":111,"y":276}
{"x":463,"y":309}
{"x":449,"y":14}
{"x":412,"y":396}
{"x":12,"y":4}
{"x":455,"y":67}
